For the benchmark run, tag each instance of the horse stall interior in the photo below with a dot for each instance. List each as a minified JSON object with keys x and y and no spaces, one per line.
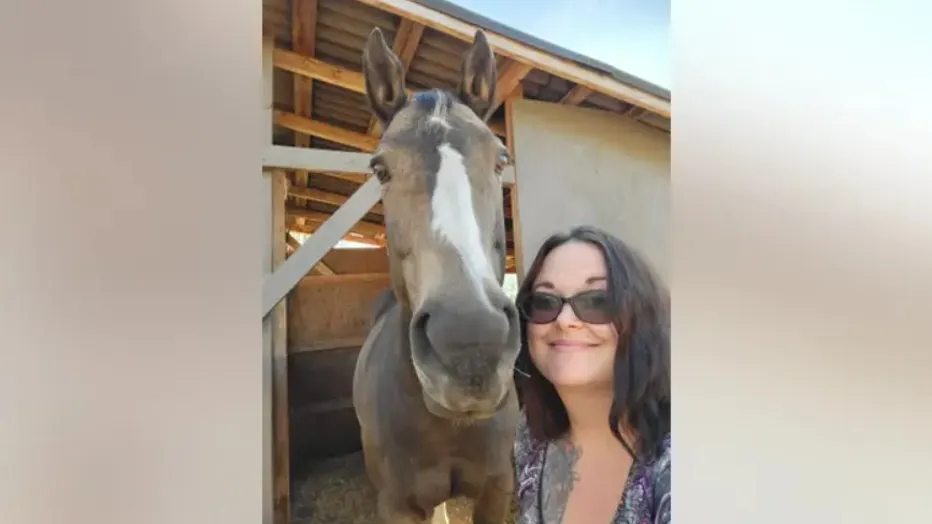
{"x":328,"y":315}
{"x":316,"y":163}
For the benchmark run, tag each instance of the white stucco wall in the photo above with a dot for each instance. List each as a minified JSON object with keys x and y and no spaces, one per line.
{"x":576,"y":165}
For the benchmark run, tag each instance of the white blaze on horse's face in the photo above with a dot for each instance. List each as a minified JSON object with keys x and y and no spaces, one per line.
{"x":454,"y":217}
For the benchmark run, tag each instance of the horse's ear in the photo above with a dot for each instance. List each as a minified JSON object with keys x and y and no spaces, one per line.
{"x":384,"y":77}
{"x":478,"y":76}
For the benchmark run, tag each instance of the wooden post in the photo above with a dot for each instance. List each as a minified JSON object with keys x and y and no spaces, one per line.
{"x":276,"y":483}
{"x":516,"y":94}
{"x":278,"y":317}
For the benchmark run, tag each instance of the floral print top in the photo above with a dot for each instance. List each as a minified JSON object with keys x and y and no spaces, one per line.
{"x":646,"y":498}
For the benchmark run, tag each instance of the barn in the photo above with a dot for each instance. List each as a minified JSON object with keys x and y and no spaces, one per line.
{"x":590,"y":144}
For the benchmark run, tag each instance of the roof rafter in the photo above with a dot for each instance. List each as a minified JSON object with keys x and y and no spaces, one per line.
{"x":354,"y":81}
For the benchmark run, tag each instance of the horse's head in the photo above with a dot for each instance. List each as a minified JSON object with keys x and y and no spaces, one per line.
{"x":440,"y":168}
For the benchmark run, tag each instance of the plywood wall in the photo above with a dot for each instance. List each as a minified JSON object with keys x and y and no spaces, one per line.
{"x":323,"y":309}
{"x":328,"y":319}
{"x":366,"y":260}
{"x":596,"y":168}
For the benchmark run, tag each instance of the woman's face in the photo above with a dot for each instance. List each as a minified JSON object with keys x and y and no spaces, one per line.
{"x":568,"y":351}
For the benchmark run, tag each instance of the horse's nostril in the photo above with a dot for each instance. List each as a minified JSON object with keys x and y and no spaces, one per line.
{"x":421,"y":324}
{"x":420,"y":337}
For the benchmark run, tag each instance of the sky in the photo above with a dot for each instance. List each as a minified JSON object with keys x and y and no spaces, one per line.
{"x":631,"y":35}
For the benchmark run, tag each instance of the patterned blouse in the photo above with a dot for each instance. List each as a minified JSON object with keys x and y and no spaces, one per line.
{"x":646,"y":498}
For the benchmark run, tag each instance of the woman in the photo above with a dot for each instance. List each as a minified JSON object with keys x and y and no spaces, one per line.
{"x":593,"y":444}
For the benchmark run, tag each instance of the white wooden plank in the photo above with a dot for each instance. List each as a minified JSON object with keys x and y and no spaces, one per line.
{"x":326,"y":160}
{"x":314,"y":159}
{"x":278,"y":284}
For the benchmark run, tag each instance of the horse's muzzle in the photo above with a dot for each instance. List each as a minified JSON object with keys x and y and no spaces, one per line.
{"x":464,"y":351}
{"x":450,"y":403}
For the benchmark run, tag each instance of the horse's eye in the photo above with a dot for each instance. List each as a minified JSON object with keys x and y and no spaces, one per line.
{"x":380,"y":171}
{"x":503,"y":160}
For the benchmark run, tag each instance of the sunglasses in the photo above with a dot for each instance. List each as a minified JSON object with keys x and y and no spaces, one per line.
{"x":592,"y":307}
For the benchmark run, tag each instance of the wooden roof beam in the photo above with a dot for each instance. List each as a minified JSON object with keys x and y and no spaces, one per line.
{"x":350,"y":80}
{"x":329,"y":132}
{"x":561,"y":67}
{"x":508,"y":81}
{"x":303,"y":39}
{"x":317,"y":69}
{"x":576,"y":96}
{"x":407,"y":39}
{"x":352,"y":236}
{"x":366,"y":229}
{"x":356,"y":178}
{"x":326,"y":197}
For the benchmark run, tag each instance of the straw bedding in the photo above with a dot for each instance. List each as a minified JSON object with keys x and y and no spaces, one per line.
{"x":337,"y":491}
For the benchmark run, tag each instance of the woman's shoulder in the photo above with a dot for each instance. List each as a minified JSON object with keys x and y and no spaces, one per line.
{"x":528,"y":468}
{"x":660,"y":481}
{"x":664,"y":456}
{"x":524,"y":446}
{"x":522,"y":429}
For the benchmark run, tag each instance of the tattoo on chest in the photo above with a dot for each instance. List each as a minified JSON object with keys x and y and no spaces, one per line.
{"x":560,"y":476}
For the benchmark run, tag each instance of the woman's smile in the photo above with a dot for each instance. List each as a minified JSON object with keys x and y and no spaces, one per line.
{"x":572,"y":346}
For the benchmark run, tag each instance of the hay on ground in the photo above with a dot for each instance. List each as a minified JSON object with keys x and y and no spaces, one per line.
{"x":337,"y":491}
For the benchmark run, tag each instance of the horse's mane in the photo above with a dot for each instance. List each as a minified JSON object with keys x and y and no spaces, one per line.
{"x":382,"y":304}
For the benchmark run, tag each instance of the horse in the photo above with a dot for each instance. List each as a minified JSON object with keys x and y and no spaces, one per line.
{"x":433,"y":386}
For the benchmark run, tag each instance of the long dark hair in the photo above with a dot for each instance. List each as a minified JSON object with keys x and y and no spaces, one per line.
{"x":642,"y":360}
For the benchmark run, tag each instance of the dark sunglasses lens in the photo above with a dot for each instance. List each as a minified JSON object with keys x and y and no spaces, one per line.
{"x":542,"y":308}
{"x":592,"y":307}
